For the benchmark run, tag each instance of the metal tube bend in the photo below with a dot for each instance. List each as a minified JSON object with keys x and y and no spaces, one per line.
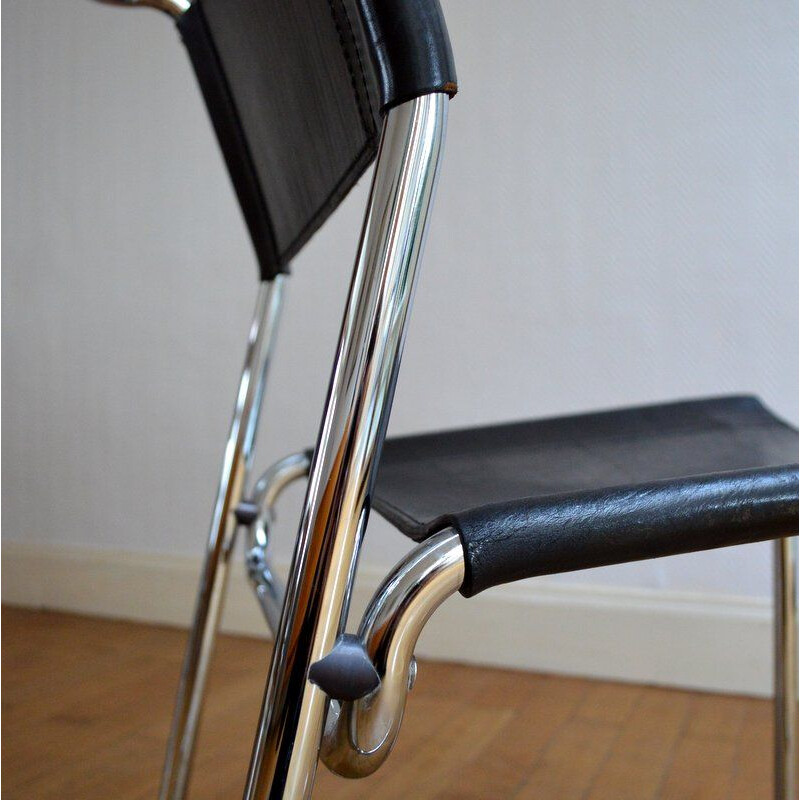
{"x":172,"y":7}
{"x":360,"y":734}
{"x":268,"y":488}
{"x":268,"y":587}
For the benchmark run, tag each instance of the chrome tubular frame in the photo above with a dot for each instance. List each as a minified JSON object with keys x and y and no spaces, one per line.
{"x":236,"y":466}
{"x":309,"y":615}
{"x":288,"y":738}
{"x":267,"y":586}
{"x":786,"y":673}
{"x":360,"y":734}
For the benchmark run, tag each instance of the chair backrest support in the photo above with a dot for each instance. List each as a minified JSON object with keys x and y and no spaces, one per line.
{"x":296,"y":90}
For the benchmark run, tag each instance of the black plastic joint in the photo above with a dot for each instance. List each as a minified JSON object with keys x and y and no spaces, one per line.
{"x":246,"y":512}
{"x":347,"y":672}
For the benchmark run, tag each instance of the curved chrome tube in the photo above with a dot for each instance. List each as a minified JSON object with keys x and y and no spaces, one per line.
{"x":269,"y":487}
{"x":172,"y":7}
{"x":359,"y":735}
{"x":268,"y":587}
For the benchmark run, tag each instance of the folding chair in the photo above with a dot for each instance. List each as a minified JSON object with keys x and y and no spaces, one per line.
{"x":303,"y":96}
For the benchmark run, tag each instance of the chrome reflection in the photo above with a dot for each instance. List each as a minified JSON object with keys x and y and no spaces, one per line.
{"x":786,"y":672}
{"x":335,"y":513}
{"x":208,"y":605}
{"x":267,"y":585}
{"x":360,"y":734}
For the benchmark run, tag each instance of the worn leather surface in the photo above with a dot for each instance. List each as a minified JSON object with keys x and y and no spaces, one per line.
{"x":559,"y":533}
{"x":554,"y":495}
{"x":295,"y":92}
{"x":410,"y":49}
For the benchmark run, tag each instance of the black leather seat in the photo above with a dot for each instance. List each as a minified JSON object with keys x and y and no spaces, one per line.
{"x":553,"y":495}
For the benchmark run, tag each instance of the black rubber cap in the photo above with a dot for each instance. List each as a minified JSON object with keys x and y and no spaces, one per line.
{"x":346,"y":673}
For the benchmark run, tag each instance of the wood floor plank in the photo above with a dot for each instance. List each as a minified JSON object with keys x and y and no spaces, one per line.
{"x":704,"y":761}
{"x":539,"y":709}
{"x":640,"y":756}
{"x":754,"y":756}
{"x":568,"y":765}
{"x":87,"y":705}
{"x":610,"y":703}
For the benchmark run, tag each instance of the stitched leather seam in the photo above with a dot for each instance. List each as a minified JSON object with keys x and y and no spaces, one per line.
{"x":241,"y":144}
{"x":365,"y":121}
{"x":363,"y":74}
{"x":239,"y":133}
{"x":368,"y":128}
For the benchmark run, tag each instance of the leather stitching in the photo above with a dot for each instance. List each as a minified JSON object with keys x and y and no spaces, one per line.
{"x":277,"y":263}
{"x":360,"y":66}
{"x":365,"y":120}
{"x":240,"y":136}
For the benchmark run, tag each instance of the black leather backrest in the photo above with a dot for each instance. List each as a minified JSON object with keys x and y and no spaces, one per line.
{"x":295,"y":90}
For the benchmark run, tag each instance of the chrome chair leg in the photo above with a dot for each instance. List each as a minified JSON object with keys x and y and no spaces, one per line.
{"x":786,"y":674}
{"x":235,"y":468}
{"x":288,"y":738}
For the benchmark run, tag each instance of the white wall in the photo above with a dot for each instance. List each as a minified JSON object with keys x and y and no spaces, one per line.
{"x":616,"y":224}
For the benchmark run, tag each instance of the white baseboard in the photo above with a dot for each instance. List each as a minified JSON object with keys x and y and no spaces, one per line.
{"x":705,"y":642}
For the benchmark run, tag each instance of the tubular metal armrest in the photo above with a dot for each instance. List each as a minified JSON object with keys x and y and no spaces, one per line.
{"x":515,"y":541}
{"x":360,"y":734}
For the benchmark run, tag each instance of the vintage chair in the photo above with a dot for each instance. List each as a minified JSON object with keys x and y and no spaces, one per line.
{"x":303,"y":96}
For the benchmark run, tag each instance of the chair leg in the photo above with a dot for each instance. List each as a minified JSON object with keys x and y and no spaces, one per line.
{"x":208,"y":606}
{"x":786,"y":675}
{"x":286,"y":749}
